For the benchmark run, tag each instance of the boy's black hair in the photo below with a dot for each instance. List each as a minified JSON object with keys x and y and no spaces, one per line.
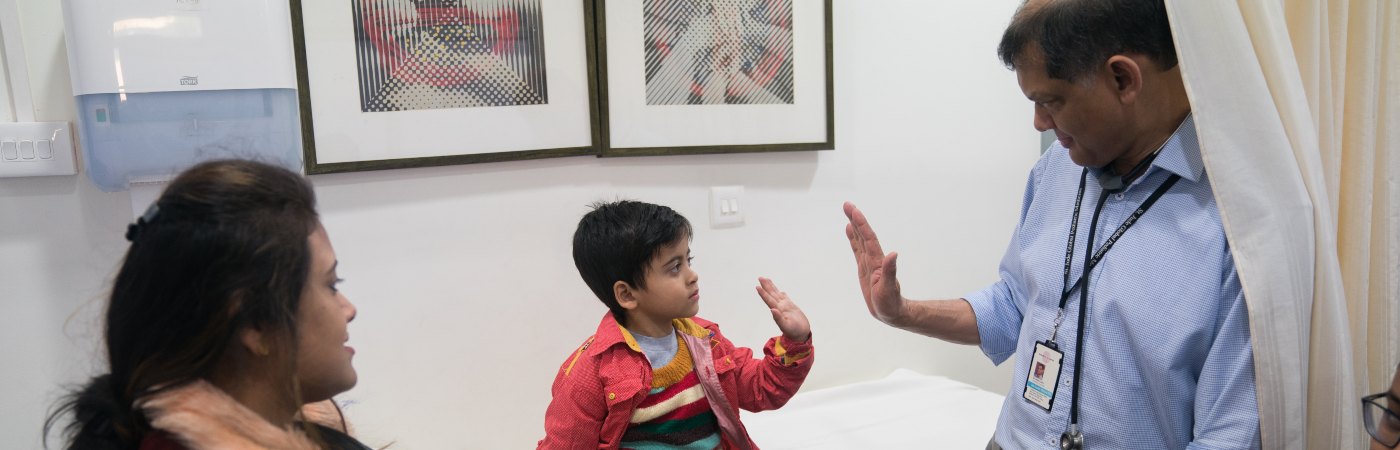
{"x":616,"y":241}
{"x":1076,"y":36}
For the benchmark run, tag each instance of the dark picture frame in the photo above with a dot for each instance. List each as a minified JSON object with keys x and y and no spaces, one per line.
{"x":320,"y":159}
{"x":608,"y":101}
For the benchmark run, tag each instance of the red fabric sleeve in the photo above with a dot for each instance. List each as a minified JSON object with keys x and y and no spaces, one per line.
{"x":575,"y":415}
{"x":767,"y":383}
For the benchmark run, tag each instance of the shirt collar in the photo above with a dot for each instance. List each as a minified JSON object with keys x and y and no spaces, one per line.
{"x":1181,"y":154}
{"x":611,"y":333}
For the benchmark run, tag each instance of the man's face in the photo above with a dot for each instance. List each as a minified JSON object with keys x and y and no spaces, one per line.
{"x":1086,"y":114}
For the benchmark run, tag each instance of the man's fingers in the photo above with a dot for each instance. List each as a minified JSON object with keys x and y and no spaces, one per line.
{"x":857,"y":219}
{"x":863,"y":232}
{"x":864,"y":260}
{"x":851,"y":236}
{"x":886,"y":274}
{"x":855,"y":249}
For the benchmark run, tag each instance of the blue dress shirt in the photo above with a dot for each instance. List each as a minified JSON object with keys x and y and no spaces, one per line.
{"x":1168,"y":362}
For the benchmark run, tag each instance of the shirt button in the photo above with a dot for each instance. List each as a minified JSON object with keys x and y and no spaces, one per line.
{"x":1066,"y":382}
{"x":1118,"y":196}
{"x":1053,"y":441}
{"x":612,"y":396}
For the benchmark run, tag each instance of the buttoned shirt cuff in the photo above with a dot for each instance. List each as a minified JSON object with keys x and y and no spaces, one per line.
{"x":789,"y":351}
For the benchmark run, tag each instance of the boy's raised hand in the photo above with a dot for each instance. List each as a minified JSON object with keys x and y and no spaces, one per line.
{"x":786,"y":314}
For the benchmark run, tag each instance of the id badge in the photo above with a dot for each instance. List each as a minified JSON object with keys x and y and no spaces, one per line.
{"x":1043,"y":373}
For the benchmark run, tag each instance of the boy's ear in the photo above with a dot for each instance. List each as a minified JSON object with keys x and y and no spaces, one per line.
{"x":625,"y":294}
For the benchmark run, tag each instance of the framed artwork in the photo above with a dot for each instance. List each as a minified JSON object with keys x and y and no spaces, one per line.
{"x":387,"y":84}
{"x":714,"y":76}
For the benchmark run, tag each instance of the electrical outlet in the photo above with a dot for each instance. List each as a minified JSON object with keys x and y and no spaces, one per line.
{"x":33,"y":149}
{"x":726,"y":206}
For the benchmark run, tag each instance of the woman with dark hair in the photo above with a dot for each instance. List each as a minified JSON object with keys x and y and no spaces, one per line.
{"x":223,"y":321}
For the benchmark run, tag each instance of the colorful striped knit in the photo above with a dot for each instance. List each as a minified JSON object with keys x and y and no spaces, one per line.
{"x":675,"y":414}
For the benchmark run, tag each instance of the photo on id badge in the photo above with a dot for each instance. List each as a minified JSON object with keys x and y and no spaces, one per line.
{"x":1044,"y":371}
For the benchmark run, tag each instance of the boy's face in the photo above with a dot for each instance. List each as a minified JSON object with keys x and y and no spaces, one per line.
{"x":672,"y":288}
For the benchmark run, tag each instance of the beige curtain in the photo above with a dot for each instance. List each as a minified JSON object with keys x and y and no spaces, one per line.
{"x":1352,"y":76}
{"x":1297,"y":105}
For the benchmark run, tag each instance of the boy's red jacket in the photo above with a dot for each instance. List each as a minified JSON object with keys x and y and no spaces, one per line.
{"x":602,"y":382}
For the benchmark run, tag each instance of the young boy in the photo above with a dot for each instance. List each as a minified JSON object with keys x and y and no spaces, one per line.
{"x":654,"y":376}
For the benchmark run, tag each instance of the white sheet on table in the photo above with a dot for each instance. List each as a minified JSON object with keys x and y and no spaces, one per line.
{"x":906,"y":410}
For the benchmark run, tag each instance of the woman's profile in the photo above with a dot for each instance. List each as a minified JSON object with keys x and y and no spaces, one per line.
{"x":223,"y":321}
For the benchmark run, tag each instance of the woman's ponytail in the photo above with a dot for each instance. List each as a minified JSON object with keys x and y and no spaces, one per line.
{"x":102,"y":418}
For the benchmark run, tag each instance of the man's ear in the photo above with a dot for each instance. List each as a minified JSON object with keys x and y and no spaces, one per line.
{"x":1126,"y":76}
{"x":254,"y":341}
{"x":625,"y":294}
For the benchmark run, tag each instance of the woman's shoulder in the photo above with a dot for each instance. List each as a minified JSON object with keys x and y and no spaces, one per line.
{"x":160,"y":440}
{"x":337,"y":440}
{"x":332,"y":438}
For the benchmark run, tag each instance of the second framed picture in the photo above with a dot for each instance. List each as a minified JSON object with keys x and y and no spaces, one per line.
{"x":714,"y":76}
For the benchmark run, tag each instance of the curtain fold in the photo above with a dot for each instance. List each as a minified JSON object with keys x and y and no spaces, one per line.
{"x":1369,"y":181}
{"x":1297,"y":105}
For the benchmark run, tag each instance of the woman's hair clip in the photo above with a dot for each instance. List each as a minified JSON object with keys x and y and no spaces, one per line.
{"x":134,"y":230}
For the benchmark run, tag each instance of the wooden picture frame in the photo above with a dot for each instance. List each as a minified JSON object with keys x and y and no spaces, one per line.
{"x":389,"y":84}
{"x":654,"y":101}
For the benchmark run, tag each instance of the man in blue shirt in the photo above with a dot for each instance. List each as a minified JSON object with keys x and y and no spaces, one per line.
{"x":1152,"y":348}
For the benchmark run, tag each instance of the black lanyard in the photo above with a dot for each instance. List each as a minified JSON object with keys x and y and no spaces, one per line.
{"x":1108,"y":244}
{"x":1092,"y":259}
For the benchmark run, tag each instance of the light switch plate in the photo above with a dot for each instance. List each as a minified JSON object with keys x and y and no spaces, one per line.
{"x":726,"y":209}
{"x":35,"y":149}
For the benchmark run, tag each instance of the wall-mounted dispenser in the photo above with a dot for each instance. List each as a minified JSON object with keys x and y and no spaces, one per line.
{"x":163,"y":84}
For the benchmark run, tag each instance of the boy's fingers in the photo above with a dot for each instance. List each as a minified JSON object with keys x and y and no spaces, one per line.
{"x":777,"y":317}
{"x":782,"y":298}
{"x":767,"y":300}
{"x":769,"y":286}
{"x":772,"y":289}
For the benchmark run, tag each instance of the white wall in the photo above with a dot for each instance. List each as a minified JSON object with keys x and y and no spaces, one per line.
{"x":468,"y":297}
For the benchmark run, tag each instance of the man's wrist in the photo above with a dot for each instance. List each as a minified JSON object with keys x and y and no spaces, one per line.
{"x":900,"y":318}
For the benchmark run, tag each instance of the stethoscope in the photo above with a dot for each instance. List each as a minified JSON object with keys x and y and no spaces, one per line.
{"x":1073,"y":438}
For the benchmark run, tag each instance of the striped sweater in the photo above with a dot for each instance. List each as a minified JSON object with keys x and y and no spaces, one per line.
{"x":675,"y":413}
